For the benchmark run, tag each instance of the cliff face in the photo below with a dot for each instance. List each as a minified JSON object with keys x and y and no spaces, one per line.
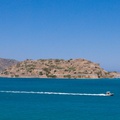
{"x":56,"y":68}
{"x":5,"y":63}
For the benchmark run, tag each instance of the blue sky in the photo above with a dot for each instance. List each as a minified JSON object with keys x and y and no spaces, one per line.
{"x":64,"y":29}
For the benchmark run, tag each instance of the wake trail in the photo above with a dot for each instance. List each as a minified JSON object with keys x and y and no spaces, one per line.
{"x":53,"y":93}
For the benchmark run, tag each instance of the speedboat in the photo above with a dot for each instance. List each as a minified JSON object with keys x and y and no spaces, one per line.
{"x":108,"y":93}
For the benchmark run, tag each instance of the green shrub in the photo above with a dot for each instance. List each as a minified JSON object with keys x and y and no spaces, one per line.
{"x":47,"y":70}
{"x":67,"y":76}
{"x":6,"y":73}
{"x":16,"y":75}
{"x":40,"y":73}
{"x":52,"y":76}
{"x":71,"y":69}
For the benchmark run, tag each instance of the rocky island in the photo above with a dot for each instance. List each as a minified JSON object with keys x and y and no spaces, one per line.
{"x":56,"y":68}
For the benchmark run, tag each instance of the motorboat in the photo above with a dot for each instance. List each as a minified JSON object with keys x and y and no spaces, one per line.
{"x":108,"y":93}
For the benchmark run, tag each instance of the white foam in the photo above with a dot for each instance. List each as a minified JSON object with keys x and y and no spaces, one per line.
{"x":52,"y":93}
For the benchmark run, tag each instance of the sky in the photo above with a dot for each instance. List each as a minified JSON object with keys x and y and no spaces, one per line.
{"x":65,"y":29}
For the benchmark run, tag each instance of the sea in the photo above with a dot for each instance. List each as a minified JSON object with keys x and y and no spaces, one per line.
{"x":59,"y":99}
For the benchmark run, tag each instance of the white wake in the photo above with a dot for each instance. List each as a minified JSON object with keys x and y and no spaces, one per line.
{"x":53,"y":93}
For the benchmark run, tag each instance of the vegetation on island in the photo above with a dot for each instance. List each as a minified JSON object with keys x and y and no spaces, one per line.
{"x":56,"y":68}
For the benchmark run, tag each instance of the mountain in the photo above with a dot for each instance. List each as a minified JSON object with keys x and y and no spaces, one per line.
{"x":56,"y":68}
{"x":5,"y":63}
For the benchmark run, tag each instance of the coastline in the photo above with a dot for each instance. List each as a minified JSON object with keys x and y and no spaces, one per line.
{"x":58,"y":78}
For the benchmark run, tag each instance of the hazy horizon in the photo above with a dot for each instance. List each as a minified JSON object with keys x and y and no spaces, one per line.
{"x":44,"y":29}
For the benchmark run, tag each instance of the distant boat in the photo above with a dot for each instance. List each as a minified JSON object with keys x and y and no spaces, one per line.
{"x":108,"y":93}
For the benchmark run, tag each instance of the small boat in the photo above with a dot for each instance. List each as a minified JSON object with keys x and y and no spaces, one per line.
{"x":108,"y":93}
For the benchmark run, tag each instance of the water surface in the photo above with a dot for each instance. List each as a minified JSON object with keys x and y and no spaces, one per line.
{"x":59,"y":99}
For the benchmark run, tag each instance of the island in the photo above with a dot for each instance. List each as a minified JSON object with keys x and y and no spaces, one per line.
{"x":54,"y":68}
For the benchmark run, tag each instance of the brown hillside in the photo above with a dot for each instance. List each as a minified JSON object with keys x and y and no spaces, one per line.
{"x":57,"y":68}
{"x":5,"y":63}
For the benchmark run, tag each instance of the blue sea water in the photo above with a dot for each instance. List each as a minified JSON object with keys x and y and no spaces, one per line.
{"x":59,"y":99}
